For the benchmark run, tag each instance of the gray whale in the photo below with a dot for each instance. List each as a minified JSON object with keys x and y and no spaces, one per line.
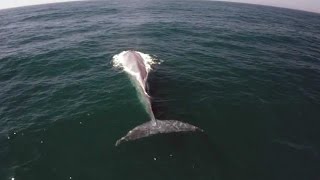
{"x":134,"y":63}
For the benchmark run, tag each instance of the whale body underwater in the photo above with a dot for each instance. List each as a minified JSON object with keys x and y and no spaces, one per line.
{"x":136,"y":67}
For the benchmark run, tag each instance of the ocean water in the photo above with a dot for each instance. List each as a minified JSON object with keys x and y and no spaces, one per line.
{"x":248,"y":75}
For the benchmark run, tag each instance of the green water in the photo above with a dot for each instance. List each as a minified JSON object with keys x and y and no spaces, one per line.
{"x":248,"y":75}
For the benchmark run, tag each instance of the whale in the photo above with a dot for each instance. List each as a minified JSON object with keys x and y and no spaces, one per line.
{"x":136,"y":68}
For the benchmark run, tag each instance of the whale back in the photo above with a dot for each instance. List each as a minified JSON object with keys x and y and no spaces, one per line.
{"x":134,"y":64}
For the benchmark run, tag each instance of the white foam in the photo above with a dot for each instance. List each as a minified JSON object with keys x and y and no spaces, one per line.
{"x":119,"y":59}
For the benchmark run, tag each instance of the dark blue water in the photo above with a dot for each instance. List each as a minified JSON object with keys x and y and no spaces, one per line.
{"x":248,"y":75}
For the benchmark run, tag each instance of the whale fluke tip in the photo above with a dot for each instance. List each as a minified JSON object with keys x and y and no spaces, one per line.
{"x":160,"y":127}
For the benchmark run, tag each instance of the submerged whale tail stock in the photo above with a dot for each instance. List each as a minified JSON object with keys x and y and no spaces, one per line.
{"x":157,"y":127}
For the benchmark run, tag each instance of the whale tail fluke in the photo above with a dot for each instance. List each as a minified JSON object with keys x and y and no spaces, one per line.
{"x":157,"y":127}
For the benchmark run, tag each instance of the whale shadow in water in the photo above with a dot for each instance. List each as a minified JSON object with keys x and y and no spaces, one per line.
{"x":155,"y":85}
{"x":158,"y":86}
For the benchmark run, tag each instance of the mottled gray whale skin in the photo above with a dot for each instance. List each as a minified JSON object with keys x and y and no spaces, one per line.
{"x":136,"y":68}
{"x":135,"y":63}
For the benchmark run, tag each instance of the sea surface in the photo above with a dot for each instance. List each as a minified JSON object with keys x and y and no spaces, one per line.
{"x":248,"y":75}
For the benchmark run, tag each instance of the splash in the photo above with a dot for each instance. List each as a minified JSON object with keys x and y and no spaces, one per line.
{"x":148,"y":60}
